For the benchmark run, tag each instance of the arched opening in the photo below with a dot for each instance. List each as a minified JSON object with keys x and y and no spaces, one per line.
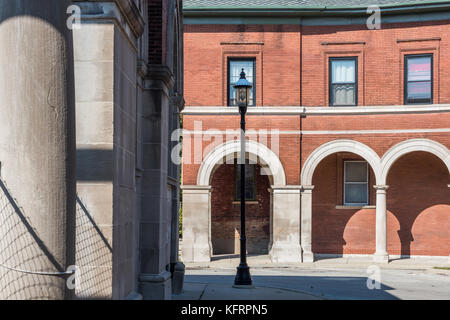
{"x":343,"y":206}
{"x":284,"y":225}
{"x":226,"y":209}
{"x":324,"y":163}
{"x":418,"y":204}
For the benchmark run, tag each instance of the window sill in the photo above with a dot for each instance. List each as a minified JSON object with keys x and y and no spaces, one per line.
{"x":340,"y":207}
{"x":246,"y":202}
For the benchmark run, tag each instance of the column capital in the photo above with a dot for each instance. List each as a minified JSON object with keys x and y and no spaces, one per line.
{"x":195,"y":189}
{"x":285,"y":189}
{"x":381,"y":187}
{"x":307,"y":189}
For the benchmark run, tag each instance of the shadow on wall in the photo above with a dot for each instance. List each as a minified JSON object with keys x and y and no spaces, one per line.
{"x":418,"y":211}
{"x":339,"y":231}
{"x":22,"y":254}
{"x":93,"y":256}
{"x":419,"y":205}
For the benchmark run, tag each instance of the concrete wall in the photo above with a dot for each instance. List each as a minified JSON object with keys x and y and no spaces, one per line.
{"x":107,"y":243}
{"x":94,"y":71}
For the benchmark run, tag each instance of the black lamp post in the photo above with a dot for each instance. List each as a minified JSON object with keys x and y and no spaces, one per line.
{"x":243,"y":278}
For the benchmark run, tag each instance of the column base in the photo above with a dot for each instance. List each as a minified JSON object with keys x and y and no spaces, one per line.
{"x":178,"y":278}
{"x":307,"y":256}
{"x":381,"y":257}
{"x":196,"y":254}
{"x":280,"y":253}
{"x":156,"y":286}
{"x":134,"y":296}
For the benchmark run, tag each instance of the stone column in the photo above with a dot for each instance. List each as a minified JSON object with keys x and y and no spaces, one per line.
{"x":155,"y":225}
{"x":197,"y":246}
{"x":37,"y":148}
{"x":306,"y":224}
{"x":381,"y":254}
{"x":177,"y":267}
{"x":286,"y":224}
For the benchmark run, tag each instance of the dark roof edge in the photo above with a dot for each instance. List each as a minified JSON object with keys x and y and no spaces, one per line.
{"x":430,"y":6}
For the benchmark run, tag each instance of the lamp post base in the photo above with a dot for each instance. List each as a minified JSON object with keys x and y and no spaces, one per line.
{"x":243,"y":277}
{"x":247,"y":286}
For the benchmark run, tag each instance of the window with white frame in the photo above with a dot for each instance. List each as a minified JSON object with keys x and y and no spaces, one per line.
{"x":343,"y":81}
{"x":235,"y":67}
{"x":356,"y":183}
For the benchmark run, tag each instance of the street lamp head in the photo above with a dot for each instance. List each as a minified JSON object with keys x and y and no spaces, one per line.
{"x":243,"y":87}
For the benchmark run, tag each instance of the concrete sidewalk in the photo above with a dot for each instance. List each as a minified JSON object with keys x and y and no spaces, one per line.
{"x":326,"y":278}
{"x":348,"y":262}
{"x":215,"y":291}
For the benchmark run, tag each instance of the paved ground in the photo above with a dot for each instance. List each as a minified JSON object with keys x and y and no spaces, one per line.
{"x":343,"y":278}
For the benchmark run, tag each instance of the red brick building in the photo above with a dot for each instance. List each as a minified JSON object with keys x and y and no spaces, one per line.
{"x":348,"y":132}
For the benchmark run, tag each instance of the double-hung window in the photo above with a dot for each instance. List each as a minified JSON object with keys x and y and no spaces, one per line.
{"x":356,"y":183}
{"x":250,"y":181}
{"x":235,"y":67}
{"x":418,"y":79}
{"x":343,"y":80}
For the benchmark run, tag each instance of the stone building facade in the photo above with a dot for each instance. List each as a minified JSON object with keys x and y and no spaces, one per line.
{"x":347,"y":141}
{"x":87,"y":179}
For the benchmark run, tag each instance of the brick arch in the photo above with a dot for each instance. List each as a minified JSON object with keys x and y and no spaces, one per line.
{"x":264,"y":154}
{"x":335,"y":146}
{"x":412,"y":145}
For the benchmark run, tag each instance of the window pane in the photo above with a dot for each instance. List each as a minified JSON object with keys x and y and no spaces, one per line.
{"x":343,"y":71}
{"x":355,"y":171}
{"x":419,"y":90}
{"x":344,"y":94}
{"x":235,"y":73}
{"x":419,"y":68}
{"x":356,"y":193}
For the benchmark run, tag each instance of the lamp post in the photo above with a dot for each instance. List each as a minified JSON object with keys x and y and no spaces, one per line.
{"x":243,"y":278}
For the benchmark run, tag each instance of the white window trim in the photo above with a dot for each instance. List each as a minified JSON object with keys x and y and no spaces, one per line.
{"x":352,"y":204}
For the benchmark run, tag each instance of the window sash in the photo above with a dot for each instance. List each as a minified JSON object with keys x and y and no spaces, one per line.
{"x":234,"y":71}
{"x":343,"y":81}
{"x":343,"y":71}
{"x":343,"y":94}
{"x":418,"y":79}
{"x":364,"y":199}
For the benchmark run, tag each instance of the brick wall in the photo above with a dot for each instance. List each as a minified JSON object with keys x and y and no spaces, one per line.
{"x":422,"y":211}
{"x":155,"y":31}
{"x":418,"y":210}
{"x":226,"y":214}
{"x":419,"y":206}
{"x":294,"y":60}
